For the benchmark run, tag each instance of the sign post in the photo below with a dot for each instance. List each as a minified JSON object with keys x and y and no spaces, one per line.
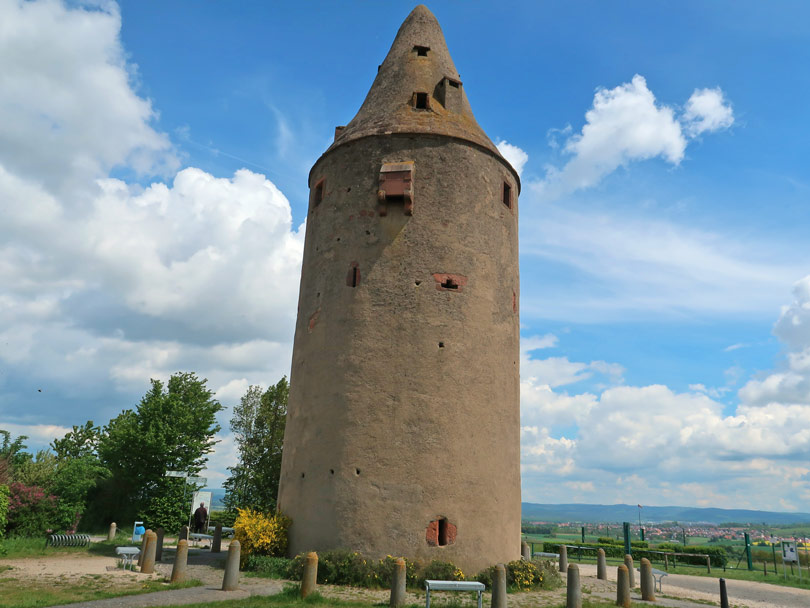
{"x":790,"y":555}
{"x":195,"y":480}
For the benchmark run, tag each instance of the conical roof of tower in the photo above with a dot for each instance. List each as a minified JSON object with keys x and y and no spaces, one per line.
{"x":389,"y":105}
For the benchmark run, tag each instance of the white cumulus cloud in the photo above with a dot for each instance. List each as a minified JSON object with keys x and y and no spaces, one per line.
{"x":68,"y":111}
{"x":516,"y":157}
{"x":627,"y":124}
{"x":706,"y":111}
{"x":104,"y":283}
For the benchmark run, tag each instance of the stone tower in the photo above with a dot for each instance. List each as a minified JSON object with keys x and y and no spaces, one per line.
{"x":403,"y":431}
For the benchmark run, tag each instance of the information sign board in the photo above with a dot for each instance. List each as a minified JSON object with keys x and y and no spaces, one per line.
{"x":790,"y":555}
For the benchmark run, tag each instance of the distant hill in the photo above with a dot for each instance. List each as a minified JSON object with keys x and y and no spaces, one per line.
{"x":217,"y":498}
{"x":618,"y":513}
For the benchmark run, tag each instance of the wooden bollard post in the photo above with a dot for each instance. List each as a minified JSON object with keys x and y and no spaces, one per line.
{"x":601,"y":565}
{"x":499,"y":587}
{"x":230,"y":582}
{"x":709,"y":564}
{"x":183,"y":533}
{"x":666,"y":562}
{"x":723,"y":594}
{"x":647,"y":585}
{"x":573,"y":593}
{"x":180,"y":562}
{"x":398,"y":584}
{"x":563,"y":559}
{"x":159,"y":547}
{"x":111,"y":532}
{"x":631,"y":575}
{"x":143,"y":548}
{"x":216,"y":544}
{"x":309,"y":580}
{"x":622,"y":587}
{"x":525,"y":551}
{"x":148,"y":562}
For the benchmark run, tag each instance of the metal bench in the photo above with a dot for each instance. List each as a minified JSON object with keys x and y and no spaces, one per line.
{"x":658,"y":575}
{"x":453,"y":586}
{"x":224,"y":529}
{"x":546,"y":555}
{"x":68,"y":540}
{"x":128,"y":555}
{"x":196,"y":536}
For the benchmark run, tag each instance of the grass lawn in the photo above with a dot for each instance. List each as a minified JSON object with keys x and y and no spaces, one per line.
{"x":18,"y":548}
{"x":35,"y":593}
{"x":90,"y":587}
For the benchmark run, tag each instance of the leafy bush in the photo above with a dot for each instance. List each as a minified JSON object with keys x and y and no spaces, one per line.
{"x":226,"y":518}
{"x":31,"y":512}
{"x":716,"y":554}
{"x":524,"y":576}
{"x":4,"y":500}
{"x":606,"y":540}
{"x":442,"y":571}
{"x":536,"y":529}
{"x":385,"y":570}
{"x":269,"y":566}
{"x":261,"y":534}
{"x":341,"y":567}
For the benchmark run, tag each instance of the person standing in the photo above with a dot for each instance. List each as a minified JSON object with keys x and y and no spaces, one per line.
{"x":200,"y":519}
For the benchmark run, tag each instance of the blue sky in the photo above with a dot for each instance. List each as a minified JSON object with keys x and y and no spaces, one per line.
{"x":153,"y":165}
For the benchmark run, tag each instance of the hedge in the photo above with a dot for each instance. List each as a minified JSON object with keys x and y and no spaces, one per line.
{"x":717,"y":555}
{"x":606,"y":540}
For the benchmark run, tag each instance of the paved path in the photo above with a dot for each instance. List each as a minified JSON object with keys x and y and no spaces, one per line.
{"x":179,"y":597}
{"x":747,"y":594}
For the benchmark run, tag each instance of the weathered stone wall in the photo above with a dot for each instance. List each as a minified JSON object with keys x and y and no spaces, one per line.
{"x":404,"y":402}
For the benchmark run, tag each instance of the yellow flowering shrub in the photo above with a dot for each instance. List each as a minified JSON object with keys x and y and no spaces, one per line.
{"x":260,"y":533}
{"x":523,"y":575}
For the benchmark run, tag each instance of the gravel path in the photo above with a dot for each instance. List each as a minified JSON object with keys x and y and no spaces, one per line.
{"x":179,"y":597}
{"x":748,"y":594}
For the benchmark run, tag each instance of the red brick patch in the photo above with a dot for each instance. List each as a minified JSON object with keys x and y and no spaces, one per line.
{"x":449,"y":282}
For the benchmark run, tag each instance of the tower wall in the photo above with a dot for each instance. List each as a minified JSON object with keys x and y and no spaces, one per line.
{"x":404,"y":399}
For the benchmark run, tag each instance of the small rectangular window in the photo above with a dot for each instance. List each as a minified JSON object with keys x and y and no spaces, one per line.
{"x":396,"y":184}
{"x":421,"y":101}
{"x":443,"y":532}
{"x":317,"y":194}
{"x":507,"y":195}
{"x":421,"y":51}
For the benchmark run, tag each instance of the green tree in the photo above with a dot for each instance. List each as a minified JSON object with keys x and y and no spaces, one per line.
{"x":38,"y":470}
{"x":11,"y":452}
{"x":78,"y":472}
{"x":172,"y":428}
{"x":258,"y":427}
{"x":80,"y":442}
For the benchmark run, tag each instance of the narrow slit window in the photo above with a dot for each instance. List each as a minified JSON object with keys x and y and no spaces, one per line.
{"x":353,"y":276}
{"x":317,"y":194}
{"x":421,"y":101}
{"x":443,"y":532}
{"x":421,"y":51}
{"x":507,"y":195}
